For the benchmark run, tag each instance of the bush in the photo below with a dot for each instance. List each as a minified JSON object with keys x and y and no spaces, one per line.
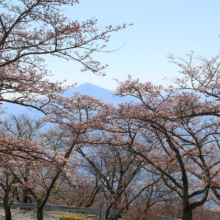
{"x":71,"y":218}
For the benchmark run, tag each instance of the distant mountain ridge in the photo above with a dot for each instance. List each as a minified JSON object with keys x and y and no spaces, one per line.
{"x":84,"y":89}
{"x":97,"y":92}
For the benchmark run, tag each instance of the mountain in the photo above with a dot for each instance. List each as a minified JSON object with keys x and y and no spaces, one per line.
{"x":97,"y":92}
{"x":85,"y":89}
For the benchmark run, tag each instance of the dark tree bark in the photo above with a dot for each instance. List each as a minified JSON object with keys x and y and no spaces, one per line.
{"x":187,"y":215}
{"x":6,"y":200}
{"x":40,"y":213}
{"x":25,"y":196}
{"x":7,"y":209}
{"x":92,"y":197}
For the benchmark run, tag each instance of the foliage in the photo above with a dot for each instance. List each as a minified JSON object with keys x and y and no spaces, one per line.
{"x":29,"y":30}
{"x":171,"y":133}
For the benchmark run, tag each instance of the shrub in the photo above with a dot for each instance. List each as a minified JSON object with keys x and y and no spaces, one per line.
{"x":71,"y":218}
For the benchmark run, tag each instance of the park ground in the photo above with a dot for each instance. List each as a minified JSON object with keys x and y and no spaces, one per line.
{"x":18,"y":214}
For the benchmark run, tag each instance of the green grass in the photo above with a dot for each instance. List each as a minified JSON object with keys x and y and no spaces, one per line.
{"x":71,"y":218}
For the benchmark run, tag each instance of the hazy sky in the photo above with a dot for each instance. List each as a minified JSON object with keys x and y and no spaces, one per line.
{"x":160,"y":27}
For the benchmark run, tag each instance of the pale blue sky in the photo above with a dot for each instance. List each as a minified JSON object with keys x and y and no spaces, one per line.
{"x":160,"y":27}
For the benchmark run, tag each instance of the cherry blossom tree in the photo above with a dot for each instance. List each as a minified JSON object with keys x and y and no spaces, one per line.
{"x":75,"y":117}
{"x":199,"y":74}
{"x":8,"y":185}
{"x":151,"y":197}
{"x":32,"y":29}
{"x":14,"y":164}
{"x":116,"y":169}
{"x":30,"y":162}
{"x":77,"y":189}
{"x":105,"y":151}
{"x":42,"y":174}
{"x":178,"y":138}
{"x":22,"y":126}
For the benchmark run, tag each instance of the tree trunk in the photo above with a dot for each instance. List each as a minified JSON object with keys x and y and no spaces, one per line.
{"x":25,"y":195}
{"x":40,"y":213}
{"x":187,"y":215}
{"x":16,"y":194}
{"x":7,"y":205}
{"x":117,"y":203}
{"x":91,"y":198}
{"x":107,"y":213}
{"x":7,"y":212}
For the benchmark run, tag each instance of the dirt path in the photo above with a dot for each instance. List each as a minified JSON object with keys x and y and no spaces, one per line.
{"x":48,"y":215}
